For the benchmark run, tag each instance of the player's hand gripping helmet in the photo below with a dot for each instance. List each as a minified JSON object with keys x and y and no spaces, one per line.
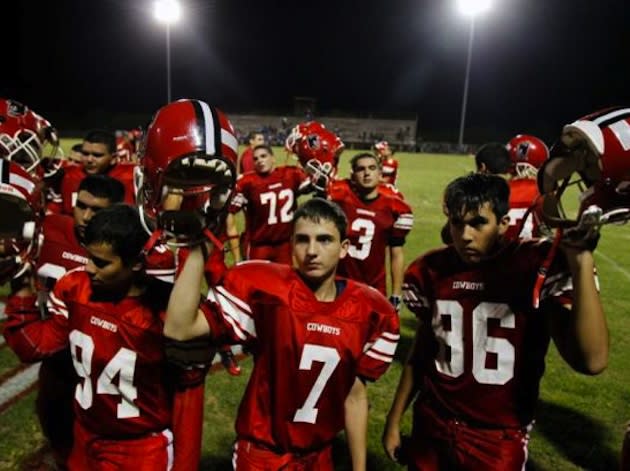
{"x":22,"y":210}
{"x":188,"y":171}
{"x":528,"y":154}
{"x":318,"y":151}
{"x":594,"y":153}
{"x":26,"y":137}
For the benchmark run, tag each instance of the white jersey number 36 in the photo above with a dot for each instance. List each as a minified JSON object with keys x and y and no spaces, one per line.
{"x":482,"y":343}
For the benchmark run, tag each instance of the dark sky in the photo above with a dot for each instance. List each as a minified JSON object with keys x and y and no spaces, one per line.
{"x":536,"y":63}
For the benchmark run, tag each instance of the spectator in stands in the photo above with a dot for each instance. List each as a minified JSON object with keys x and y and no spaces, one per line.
{"x":246,"y":159}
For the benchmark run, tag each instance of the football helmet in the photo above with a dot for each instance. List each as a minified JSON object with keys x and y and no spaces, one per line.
{"x":527,"y":153}
{"x":382,"y":149}
{"x":187,"y":172}
{"x":25,"y":136}
{"x":318,"y":151}
{"x":125,"y":148}
{"x":22,"y":209}
{"x":593,"y":153}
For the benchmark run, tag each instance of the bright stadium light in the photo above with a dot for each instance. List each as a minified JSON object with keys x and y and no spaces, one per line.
{"x":167,"y":12}
{"x":470,"y":8}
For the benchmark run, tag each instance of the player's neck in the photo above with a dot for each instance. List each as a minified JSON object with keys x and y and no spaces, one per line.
{"x":324,"y":290}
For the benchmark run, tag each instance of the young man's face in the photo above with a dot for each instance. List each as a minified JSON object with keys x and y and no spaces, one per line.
{"x":109,"y":276}
{"x":96,"y":158}
{"x":257,"y":140}
{"x":317,"y":248}
{"x":86,"y":206}
{"x":476,"y":233}
{"x":263,"y":161}
{"x":366,"y":173}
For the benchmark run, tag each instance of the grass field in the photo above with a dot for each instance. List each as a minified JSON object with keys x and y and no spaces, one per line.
{"x":580,"y":420}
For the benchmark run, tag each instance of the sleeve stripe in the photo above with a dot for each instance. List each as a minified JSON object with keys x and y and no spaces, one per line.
{"x":390,"y":336}
{"x":240,"y":319}
{"x":376,"y":356}
{"x":385,"y":347}
{"x":56,"y":306}
{"x":235,"y":328}
{"x":239,"y":302}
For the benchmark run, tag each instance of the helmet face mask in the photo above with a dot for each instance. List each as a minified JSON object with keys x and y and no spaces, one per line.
{"x":26,"y":137}
{"x":21,"y":206}
{"x":189,"y":171}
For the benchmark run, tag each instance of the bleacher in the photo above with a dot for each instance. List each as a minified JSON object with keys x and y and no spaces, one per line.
{"x":355,"y":132}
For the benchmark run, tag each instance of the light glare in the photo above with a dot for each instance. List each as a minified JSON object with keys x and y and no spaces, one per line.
{"x":473,"y":7}
{"x":167,"y":11}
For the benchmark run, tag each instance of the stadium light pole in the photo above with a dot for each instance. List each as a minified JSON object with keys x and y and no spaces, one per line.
{"x":167,"y":12}
{"x":469,"y":8}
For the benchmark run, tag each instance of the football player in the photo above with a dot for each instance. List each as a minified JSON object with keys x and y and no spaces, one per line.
{"x":478,"y":355}
{"x":293,"y":321}
{"x":130,"y":413}
{"x":246,"y":159}
{"x":268,"y":197}
{"x":62,"y":250}
{"x":389,"y":165}
{"x":98,"y":153}
{"x":378,"y":225}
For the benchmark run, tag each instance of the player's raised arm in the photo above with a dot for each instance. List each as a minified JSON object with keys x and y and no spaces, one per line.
{"x":184,"y":319}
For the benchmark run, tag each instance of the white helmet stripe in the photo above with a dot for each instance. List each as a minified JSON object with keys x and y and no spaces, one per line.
{"x":208,"y":128}
{"x":611,"y":115}
{"x":229,"y":140}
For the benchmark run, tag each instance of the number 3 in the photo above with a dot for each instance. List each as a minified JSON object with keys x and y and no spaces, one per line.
{"x":482,"y":343}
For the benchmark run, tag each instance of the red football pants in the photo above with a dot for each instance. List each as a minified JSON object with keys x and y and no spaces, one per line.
{"x":248,"y":456}
{"x":148,"y":453}
{"x":438,"y":443}
{"x":281,"y":253}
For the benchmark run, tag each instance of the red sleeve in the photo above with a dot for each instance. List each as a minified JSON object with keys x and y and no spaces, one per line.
{"x":414,"y":292}
{"x":380,"y":348}
{"x":404,"y":219}
{"x":30,"y":337}
{"x":187,"y":427}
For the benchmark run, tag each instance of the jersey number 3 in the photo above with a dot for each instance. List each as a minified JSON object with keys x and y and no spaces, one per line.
{"x":122,"y":365}
{"x":482,"y":343}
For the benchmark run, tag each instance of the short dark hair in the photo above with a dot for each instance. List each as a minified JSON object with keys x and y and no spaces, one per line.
{"x":77,"y":147}
{"x":103,"y":186}
{"x":363,"y":155}
{"x":263,"y":146}
{"x":320,"y":209}
{"x":472,"y":191}
{"x":495,"y":157}
{"x":251,"y":134}
{"x":119,"y":226}
{"x":102,"y":136}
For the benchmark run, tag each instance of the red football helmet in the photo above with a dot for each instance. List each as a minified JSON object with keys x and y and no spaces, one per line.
{"x":382,"y":149}
{"x":22,"y":209}
{"x":528,"y":153}
{"x":594,"y":153}
{"x":25,"y":137}
{"x":318,"y":151}
{"x":125,"y":148}
{"x":188,"y":157}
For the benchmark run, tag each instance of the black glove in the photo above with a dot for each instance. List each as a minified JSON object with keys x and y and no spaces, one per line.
{"x":395,"y":301}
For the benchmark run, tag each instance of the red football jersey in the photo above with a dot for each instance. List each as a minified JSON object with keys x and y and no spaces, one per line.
{"x":247,"y":161}
{"x":307,"y":353}
{"x":484,"y":356}
{"x":523,"y":196}
{"x":390,"y":190}
{"x":60,"y":251}
{"x":63,"y":201}
{"x":117,"y":351}
{"x":269,"y":202}
{"x":389,"y":169}
{"x":372,"y":227}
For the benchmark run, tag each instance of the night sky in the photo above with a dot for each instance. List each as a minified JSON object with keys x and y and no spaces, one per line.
{"x":537,"y":64}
